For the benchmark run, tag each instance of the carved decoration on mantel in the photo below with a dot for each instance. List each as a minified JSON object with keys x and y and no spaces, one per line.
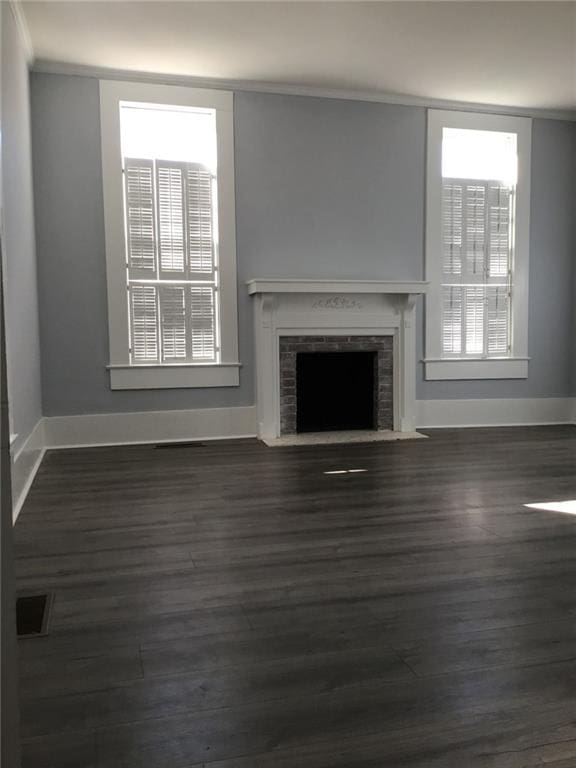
{"x":337,"y":302}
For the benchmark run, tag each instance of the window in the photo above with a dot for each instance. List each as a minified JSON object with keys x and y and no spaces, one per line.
{"x":477,"y":246}
{"x":168,"y":180}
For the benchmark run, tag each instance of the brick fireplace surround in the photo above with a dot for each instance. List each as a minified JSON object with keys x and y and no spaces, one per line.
{"x":290,"y":346}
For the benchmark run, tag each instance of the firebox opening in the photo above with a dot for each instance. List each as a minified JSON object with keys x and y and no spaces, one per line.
{"x":335,"y":391}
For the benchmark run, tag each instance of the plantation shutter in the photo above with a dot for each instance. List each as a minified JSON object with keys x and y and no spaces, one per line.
{"x":476,"y":264}
{"x":202,"y":322}
{"x":171,"y":262}
{"x":140,"y":219}
{"x":498,"y":311}
{"x":171,"y":216}
{"x":499,"y":219}
{"x":144,"y":323}
{"x":173,"y":323}
{"x":474,"y":319}
{"x":475,"y":230}
{"x":452,"y":319}
{"x":200,"y":230}
{"x":452,"y":227}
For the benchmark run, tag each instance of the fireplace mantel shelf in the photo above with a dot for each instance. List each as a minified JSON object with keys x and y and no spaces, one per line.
{"x":283,"y":285}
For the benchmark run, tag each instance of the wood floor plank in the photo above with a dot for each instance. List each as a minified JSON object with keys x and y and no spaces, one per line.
{"x":526,"y":645}
{"x":432,"y":705}
{"x":211,"y":688}
{"x":77,"y":750}
{"x":77,"y":672}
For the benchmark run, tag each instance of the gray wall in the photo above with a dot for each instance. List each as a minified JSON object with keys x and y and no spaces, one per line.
{"x":23,"y":351}
{"x":325,"y":188}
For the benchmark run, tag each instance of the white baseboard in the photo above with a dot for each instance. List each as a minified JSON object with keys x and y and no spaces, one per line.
{"x":513,"y":412}
{"x":573,"y":411}
{"x":227,"y":423}
{"x":149,"y":427}
{"x":27,"y":455}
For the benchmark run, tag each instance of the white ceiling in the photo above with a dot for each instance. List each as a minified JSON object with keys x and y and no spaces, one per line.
{"x":519,"y":54}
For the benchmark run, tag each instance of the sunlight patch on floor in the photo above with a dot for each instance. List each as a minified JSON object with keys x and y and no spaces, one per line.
{"x":568,"y":507}
{"x":344,"y":471}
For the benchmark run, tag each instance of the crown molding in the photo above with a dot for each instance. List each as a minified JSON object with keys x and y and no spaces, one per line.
{"x":23,"y":30}
{"x":104,"y":73}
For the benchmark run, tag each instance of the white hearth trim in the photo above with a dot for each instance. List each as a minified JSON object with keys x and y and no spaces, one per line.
{"x":342,"y":438}
{"x":284,"y":307}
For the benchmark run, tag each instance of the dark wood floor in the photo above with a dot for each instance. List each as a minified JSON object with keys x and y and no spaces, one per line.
{"x":232,"y":606}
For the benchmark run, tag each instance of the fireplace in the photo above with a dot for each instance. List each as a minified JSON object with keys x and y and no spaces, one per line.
{"x":332,"y":383}
{"x":335,"y":391}
{"x":314,"y":317}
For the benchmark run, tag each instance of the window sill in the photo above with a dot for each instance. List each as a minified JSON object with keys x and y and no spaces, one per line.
{"x":174,"y":376}
{"x":487,"y":368}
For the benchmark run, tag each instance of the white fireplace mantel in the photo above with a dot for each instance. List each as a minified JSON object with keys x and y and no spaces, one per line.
{"x":284,"y":307}
{"x":283,"y":285}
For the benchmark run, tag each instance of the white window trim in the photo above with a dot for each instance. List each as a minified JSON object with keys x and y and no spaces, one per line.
{"x":123,"y":375}
{"x":516,"y":365}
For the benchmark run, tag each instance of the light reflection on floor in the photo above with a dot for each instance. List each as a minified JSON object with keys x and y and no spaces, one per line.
{"x":344,"y":471}
{"x":568,"y":507}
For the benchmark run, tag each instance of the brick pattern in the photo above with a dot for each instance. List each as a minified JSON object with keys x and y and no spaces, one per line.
{"x":383,"y":387}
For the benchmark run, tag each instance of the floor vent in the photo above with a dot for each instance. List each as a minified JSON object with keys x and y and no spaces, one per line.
{"x":192,"y":444}
{"x":33,"y":614}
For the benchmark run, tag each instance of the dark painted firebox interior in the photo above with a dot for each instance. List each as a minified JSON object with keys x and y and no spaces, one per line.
{"x":335,"y":391}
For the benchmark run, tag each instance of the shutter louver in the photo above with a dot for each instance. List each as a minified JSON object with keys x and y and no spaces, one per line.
{"x":474,"y":319}
{"x":140,"y":226}
{"x":452,"y":194}
{"x":498,"y":310}
{"x":202,"y":322}
{"x":499,"y":201}
{"x":173,"y":323}
{"x":199,"y":206}
{"x":452,"y":320}
{"x":475,"y":229}
{"x":144,"y":323}
{"x":170,"y":192}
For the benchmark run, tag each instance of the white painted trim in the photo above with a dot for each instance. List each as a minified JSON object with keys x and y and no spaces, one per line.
{"x":23,"y":29}
{"x":21,"y":498}
{"x":174,"y":376}
{"x":495,"y":413}
{"x":150,"y":427}
{"x":522,"y":127}
{"x":111,"y":94}
{"x":464,"y":369}
{"x":64,"y":68}
{"x":282,"y":285}
{"x":27,"y":456}
{"x":573,"y":411}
